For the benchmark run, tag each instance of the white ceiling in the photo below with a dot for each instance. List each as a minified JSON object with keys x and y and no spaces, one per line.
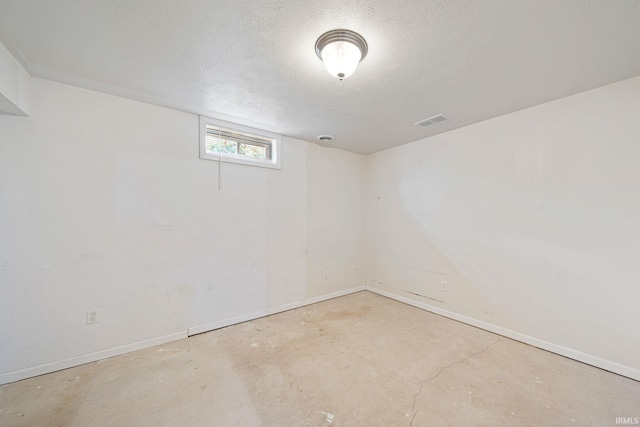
{"x":253,"y":62}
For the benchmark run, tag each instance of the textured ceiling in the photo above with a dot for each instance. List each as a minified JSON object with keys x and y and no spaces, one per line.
{"x":253,"y":62}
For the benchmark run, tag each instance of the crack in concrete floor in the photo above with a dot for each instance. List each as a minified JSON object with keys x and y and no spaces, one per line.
{"x":422,"y":383}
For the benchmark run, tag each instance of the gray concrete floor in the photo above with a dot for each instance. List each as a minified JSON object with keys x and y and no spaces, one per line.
{"x":358,"y":360}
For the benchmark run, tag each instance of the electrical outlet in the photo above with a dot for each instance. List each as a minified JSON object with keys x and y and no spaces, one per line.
{"x":92,"y":317}
{"x":325,"y":275}
{"x":445,"y":286}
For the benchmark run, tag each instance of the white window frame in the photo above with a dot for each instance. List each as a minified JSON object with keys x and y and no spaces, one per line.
{"x":273,"y":163}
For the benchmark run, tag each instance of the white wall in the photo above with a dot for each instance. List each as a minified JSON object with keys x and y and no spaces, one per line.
{"x":532,"y":218}
{"x":106,"y":205}
{"x":335,"y":240}
{"x":15,"y":85}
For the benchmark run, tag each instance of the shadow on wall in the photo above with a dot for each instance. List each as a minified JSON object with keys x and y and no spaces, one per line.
{"x":534,"y":227}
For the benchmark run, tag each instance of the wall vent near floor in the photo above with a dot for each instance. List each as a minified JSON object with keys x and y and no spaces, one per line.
{"x":432,"y":120}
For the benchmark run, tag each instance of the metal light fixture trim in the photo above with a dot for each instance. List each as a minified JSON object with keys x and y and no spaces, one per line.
{"x":336,"y":50}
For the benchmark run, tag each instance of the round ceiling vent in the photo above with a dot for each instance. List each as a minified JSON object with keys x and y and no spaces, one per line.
{"x":325,"y":138}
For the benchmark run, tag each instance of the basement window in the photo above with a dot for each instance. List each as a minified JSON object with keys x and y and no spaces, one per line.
{"x":228,"y":142}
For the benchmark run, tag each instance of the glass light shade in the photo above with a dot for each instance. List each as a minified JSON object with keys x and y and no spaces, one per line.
{"x":341,"y":58}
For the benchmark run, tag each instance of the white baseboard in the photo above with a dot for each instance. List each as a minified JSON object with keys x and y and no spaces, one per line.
{"x":59,"y":365}
{"x":251,"y":316}
{"x":545,"y":345}
{"x":617,"y":368}
{"x":9,"y":377}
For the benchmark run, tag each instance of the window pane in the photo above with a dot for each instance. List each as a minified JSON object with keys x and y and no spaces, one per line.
{"x":253,"y":151}
{"x":214,"y":145}
{"x":228,"y":147}
{"x":238,"y":145}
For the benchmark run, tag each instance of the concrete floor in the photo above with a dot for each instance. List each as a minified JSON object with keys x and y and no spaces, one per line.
{"x":359,"y":360}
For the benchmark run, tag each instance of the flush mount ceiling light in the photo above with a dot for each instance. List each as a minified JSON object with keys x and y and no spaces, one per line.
{"x":341,"y":51}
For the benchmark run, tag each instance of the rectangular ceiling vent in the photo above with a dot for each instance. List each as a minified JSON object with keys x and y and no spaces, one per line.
{"x":431,"y":121}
